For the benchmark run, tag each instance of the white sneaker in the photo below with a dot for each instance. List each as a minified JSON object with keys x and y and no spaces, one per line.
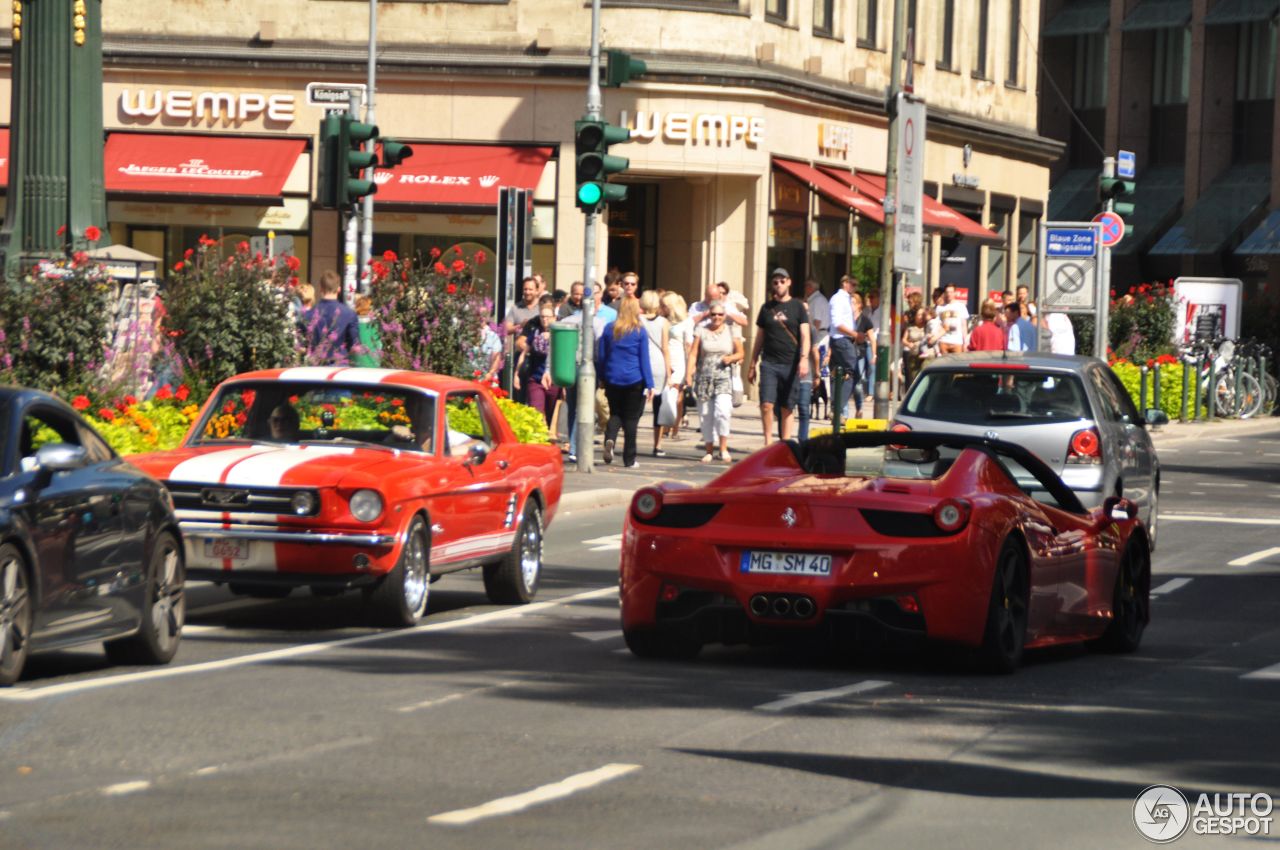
{"x":633,"y":465}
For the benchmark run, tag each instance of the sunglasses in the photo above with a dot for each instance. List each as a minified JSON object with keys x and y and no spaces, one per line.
{"x":717,"y":315}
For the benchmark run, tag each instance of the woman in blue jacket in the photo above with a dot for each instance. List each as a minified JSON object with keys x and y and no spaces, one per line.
{"x":623,"y":357}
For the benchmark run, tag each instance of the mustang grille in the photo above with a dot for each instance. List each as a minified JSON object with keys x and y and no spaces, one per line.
{"x":902,"y":524}
{"x":271,"y":501}
{"x":685,"y":516}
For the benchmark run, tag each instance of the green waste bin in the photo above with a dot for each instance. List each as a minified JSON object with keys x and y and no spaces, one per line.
{"x":564,"y":354}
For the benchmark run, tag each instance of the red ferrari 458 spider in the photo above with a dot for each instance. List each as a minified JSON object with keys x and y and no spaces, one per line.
{"x":899,"y":534}
{"x":335,"y":478}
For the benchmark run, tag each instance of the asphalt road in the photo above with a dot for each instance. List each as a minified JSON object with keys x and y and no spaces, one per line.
{"x":290,"y":724}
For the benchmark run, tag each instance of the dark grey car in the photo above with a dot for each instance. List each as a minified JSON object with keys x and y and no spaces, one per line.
{"x":1073,"y":412}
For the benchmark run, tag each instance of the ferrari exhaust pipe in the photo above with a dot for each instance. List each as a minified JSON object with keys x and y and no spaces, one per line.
{"x":782,"y":606}
{"x":803,"y":608}
{"x":759,"y":605}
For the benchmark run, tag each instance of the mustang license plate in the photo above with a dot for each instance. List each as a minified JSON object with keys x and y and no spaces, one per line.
{"x":786,"y":563}
{"x":236,"y":550}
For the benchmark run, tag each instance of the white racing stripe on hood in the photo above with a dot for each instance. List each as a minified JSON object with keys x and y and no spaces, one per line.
{"x":209,"y":468}
{"x":267,"y":470}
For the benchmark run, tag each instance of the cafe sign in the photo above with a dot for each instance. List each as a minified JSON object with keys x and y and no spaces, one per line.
{"x":196,"y":106}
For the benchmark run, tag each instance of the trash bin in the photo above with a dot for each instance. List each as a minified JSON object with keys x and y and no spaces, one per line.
{"x":564,"y":354}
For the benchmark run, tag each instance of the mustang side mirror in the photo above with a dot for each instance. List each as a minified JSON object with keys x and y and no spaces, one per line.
{"x":477,"y":455}
{"x":1119,"y":509}
{"x":1155,"y":416}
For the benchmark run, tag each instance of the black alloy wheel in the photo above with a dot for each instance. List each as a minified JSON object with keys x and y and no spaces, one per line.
{"x":1131,"y":601}
{"x":16,"y":615}
{"x":164,"y":609}
{"x":1006,"y":631}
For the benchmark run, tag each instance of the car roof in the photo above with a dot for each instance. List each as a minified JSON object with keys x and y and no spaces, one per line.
{"x":1033,"y":359}
{"x":360,"y":375}
{"x":21,"y":396}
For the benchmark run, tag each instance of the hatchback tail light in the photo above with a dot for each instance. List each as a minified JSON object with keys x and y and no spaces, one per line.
{"x":1085,"y":447}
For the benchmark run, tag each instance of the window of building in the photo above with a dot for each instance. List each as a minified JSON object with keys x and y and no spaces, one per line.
{"x":1088,"y":97}
{"x":913,"y":32}
{"x":867,"y":12}
{"x":1012,"y":77}
{"x":1254,"y":113}
{"x":980,"y":43}
{"x":776,"y":10}
{"x":947,"y":29}
{"x":1028,"y":236}
{"x":824,"y":17}
{"x":998,"y":255}
{"x":1170,"y":89}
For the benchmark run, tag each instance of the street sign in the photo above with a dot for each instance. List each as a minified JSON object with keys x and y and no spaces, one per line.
{"x":1127,"y":165}
{"x":1112,"y":227}
{"x":1075,"y":241}
{"x":1070,"y":267}
{"x":333,"y":95}
{"x":908,"y":222}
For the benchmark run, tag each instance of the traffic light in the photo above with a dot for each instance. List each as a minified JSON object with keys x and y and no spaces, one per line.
{"x":591,"y":146}
{"x":619,"y":68}
{"x":327,"y":172}
{"x":350,"y":160}
{"x":1119,"y":191}
{"x":393,"y":152}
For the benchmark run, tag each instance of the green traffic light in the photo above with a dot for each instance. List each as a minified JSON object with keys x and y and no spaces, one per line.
{"x":589,"y":193}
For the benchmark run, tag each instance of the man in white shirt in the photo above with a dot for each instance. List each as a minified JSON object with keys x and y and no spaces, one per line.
{"x":954,"y":315}
{"x":1062,"y":336}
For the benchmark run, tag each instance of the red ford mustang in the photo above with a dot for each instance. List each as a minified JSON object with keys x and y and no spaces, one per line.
{"x":337,"y":478}
{"x":900,"y":534}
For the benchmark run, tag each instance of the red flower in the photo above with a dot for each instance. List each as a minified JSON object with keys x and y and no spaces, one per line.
{"x":178,"y":266}
{"x":390,"y":256}
{"x":182,"y":393}
{"x":206,"y":242}
{"x":108,"y":414}
{"x":457,"y":249}
{"x":293,"y":399}
{"x":241,"y":419}
{"x":380,"y":399}
{"x":440,"y":269}
{"x":92,"y":233}
{"x":187,"y":253}
{"x":480,"y":257}
{"x":61,"y":231}
{"x":459,"y":265}
{"x":242,"y":248}
{"x":164,"y":393}
{"x":329,"y":407}
{"x":395,"y":402}
{"x":450,"y":289}
{"x":247,"y":397}
{"x":293,"y":263}
{"x":79,"y":258}
{"x":80,"y":402}
{"x":129,"y":399}
{"x":435,"y":253}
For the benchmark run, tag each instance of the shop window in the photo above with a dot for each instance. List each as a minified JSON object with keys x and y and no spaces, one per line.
{"x":1254,"y":112}
{"x":868,"y":11}
{"x":1028,"y":238}
{"x":1013,"y":75}
{"x":947,"y":30}
{"x":829,"y":256}
{"x":824,"y":17}
{"x":777,"y":10}
{"x":980,"y":42}
{"x":867,"y":254}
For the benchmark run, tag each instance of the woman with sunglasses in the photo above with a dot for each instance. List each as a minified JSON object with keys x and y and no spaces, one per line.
{"x":711,"y":357}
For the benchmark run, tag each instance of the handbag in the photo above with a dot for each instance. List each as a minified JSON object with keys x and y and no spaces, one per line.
{"x":667,"y":408}
{"x":739,"y":392}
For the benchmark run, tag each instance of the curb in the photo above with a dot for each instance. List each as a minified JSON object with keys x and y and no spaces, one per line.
{"x":1177,"y":432}
{"x":584,"y":500}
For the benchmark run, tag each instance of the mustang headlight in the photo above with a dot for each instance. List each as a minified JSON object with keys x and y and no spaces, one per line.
{"x":303,"y":503}
{"x":366,"y":505}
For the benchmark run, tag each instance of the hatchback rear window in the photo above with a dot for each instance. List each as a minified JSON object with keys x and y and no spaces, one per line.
{"x":994,"y":396}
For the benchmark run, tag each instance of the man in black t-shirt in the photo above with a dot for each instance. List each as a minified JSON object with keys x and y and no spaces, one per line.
{"x":782,"y":349}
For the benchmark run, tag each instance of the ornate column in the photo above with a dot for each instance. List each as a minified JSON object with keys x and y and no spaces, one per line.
{"x":56,"y":133}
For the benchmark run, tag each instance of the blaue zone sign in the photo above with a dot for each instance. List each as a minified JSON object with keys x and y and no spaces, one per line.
{"x":1071,"y":275}
{"x":1071,"y":241}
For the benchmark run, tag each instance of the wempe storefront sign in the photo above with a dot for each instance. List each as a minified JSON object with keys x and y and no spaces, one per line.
{"x":214,"y":105}
{"x":695,"y":128}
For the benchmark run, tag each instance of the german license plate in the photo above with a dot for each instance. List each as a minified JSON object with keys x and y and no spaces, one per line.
{"x":786,"y":563}
{"x":236,"y":550}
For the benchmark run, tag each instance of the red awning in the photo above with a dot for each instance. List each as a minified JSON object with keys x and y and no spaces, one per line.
{"x":221,"y":166}
{"x":461,"y":175}
{"x":937,"y":215}
{"x":4,"y":157}
{"x":832,"y":189}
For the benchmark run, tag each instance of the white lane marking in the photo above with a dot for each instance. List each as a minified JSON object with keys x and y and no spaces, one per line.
{"x":805,"y":697}
{"x":1246,"y":560}
{"x":1224,"y":520}
{"x":122,"y":788}
{"x":432,"y":703}
{"x":1226,"y":439}
{"x":612,"y":542}
{"x":28,"y":694}
{"x":1197,"y":493}
{"x":1272,"y":672}
{"x":188,"y":629}
{"x":1220,"y":484}
{"x":606,"y":634}
{"x":1271,"y":454}
{"x":544,"y":794}
{"x":1169,"y":586}
{"x":1217,"y":452}
{"x":207,"y":771}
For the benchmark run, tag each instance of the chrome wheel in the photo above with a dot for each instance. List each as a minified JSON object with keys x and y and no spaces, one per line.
{"x":531,"y":553}
{"x":15,"y":615}
{"x":415,"y":573}
{"x":514,"y":580}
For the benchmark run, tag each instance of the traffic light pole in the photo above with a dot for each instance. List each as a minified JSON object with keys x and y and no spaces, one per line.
{"x":888,"y":305}
{"x":1104,"y":294}
{"x":349,"y":268}
{"x":366,"y":206}
{"x":586,"y":413}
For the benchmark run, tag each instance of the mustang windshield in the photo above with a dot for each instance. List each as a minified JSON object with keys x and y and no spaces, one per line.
{"x":317,"y":411}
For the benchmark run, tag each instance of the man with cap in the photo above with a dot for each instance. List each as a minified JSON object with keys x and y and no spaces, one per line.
{"x":782,"y":350}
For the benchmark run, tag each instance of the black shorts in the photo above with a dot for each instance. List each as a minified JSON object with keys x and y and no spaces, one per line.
{"x":779,"y":384}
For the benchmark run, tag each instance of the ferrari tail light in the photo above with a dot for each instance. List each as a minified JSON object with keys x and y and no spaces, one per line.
{"x":908,"y":603}
{"x":1085,"y":447}
{"x":647,"y":503}
{"x":951,"y":515}
{"x":670,"y":592}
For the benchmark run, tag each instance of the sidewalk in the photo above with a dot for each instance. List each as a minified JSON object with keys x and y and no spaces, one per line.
{"x":609,"y":485}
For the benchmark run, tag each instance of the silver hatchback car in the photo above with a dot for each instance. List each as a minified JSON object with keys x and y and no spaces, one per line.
{"x":1072,"y":412}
